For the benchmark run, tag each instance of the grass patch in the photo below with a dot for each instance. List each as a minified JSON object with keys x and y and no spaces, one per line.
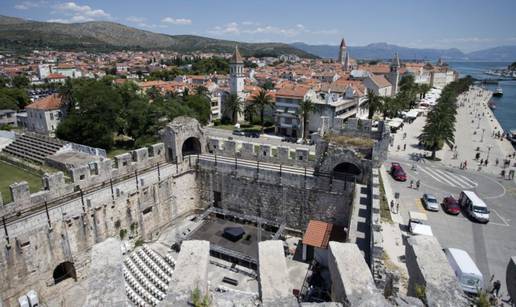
{"x":10,"y":174}
{"x":345,"y":140}
{"x":116,"y":151}
{"x":385,"y":211}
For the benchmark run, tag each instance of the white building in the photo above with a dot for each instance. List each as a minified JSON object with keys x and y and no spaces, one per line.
{"x":45,"y":114}
{"x":43,"y":71}
{"x":379,"y":85}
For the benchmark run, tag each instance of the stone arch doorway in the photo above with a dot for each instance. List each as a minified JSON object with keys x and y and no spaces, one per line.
{"x":191,"y":146}
{"x":346,"y":169}
{"x":63,"y":271}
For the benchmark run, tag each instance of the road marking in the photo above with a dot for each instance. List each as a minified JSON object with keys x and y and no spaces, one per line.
{"x":448,"y":176}
{"x":501,"y":218}
{"x":437,"y":175}
{"x":419,"y":205}
{"x":468,"y":180}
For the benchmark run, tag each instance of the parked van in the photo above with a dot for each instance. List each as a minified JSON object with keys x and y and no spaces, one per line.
{"x":467,"y":272}
{"x":474,"y":206}
{"x":417,"y":224}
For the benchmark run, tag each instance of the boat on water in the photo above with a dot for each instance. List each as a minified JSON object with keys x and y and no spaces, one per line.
{"x":491,"y":105}
{"x":498,"y":92}
{"x":511,"y":136}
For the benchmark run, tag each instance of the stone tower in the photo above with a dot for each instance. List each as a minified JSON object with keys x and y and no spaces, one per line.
{"x":394,"y":74}
{"x":342,"y":52}
{"x":347,"y":65}
{"x":236,"y":73}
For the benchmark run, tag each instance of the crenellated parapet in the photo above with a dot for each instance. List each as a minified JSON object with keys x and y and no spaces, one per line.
{"x":284,"y":155}
{"x":84,"y":176}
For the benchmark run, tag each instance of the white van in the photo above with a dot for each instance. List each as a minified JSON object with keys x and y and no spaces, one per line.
{"x":474,"y":206}
{"x":467,"y":272}
{"x":417,"y":224}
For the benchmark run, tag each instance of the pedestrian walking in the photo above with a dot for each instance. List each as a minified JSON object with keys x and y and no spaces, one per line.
{"x":496,"y":288}
{"x":392,"y":205}
{"x":497,"y":161}
{"x":404,"y":135}
{"x":397,"y":208}
{"x":481,"y":161}
{"x":418,"y":184}
{"x":461,"y":165}
{"x":411,"y":183}
{"x":404,"y":147}
{"x":398,"y":147}
{"x":485,"y":162}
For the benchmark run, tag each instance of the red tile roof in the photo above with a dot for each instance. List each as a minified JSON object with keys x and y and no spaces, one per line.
{"x":317,"y":234}
{"x":51,"y":102}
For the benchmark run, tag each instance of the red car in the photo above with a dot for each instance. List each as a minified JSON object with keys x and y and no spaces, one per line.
{"x":397,"y":172}
{"x":451,"y":205}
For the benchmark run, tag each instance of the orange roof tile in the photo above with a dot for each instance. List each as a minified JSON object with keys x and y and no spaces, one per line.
{"x":317,"y":234}
{"x":51,"y":102}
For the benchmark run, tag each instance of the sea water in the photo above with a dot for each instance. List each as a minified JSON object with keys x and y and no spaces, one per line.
{"x":505,"y":110}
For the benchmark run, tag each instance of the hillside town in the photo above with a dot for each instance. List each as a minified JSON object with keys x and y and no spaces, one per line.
{"x":159,"y":178}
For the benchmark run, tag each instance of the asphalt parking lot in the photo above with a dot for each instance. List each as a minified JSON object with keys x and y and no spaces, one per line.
{"x":491,"y":245}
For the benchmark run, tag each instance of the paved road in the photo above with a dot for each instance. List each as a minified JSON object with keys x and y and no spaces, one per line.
{"x":490,"y":245}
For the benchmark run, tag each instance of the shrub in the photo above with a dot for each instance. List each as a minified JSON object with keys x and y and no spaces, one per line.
{"x":139,"y":242}
{"x":123,"y":232}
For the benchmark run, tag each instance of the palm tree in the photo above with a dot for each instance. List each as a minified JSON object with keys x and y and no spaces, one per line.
{"x":374,"y":103}
{"x":233,"y":105}
{"x":249,"y":112}
{"x":260,"y":102}
{"x":439,"y":127}
{"x":305,"y":107}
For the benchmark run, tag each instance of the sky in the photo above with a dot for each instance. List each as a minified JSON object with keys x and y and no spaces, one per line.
{"x":465,"y":24}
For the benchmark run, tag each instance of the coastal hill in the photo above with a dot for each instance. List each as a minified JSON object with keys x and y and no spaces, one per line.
{"x":17,"y":33}
{"x":386,"y":51}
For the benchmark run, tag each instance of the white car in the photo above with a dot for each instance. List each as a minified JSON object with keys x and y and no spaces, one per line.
{"x":430,"y":202}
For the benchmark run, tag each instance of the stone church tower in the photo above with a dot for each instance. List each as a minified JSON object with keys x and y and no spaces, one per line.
{"x":394,"y":74}
{"x":236,"y":73}
{"x":344,"y":56}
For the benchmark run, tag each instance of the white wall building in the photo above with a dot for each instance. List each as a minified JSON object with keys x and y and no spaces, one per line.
{"x":45,"y":114}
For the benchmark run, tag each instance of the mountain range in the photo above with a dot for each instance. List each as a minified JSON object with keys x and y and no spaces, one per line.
{"x":386,"y":51}
{"x":17,"y":33}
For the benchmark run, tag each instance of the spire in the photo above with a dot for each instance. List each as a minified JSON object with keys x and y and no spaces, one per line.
{"x":396,"y":60}
{"x":236,"y":58}
{"x":342,"y":43}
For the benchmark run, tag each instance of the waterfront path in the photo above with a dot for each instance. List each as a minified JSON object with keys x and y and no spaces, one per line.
{"x":475,"y":129}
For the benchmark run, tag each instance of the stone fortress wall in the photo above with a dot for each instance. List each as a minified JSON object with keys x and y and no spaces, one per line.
{"x":37,"y":242}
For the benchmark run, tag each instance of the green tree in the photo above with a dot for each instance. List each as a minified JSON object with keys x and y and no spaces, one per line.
{"x":374,"y":103}
{"x":20,"y":81}
{"x":305,"y":108}
{"x":18,"y":95}
{"x":233,"y":106}
{"x":201,"y":90}
{"x":261,"y":101}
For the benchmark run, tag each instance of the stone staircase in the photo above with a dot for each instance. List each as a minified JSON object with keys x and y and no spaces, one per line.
{"x":34,"y":148}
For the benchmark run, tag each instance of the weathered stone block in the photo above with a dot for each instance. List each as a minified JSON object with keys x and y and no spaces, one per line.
{"x":275,"y":285}
{"x":20,"y":192}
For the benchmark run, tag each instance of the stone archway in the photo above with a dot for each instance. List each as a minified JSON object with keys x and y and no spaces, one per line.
{"x":183,"y":133}
{"x":346,"y":169}
{"x":63,"y":271}
{"x":191,"y":146}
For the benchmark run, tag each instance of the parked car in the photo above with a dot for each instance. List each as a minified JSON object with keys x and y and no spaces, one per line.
{"x":451,"y":205}
{"x":239,"y":133}
{"x":430,"y":202}
{"x":397,"y":172}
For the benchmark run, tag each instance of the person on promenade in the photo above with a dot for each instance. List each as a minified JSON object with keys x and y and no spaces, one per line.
{"x":411,"y":183}
{"x":392,"y":205}
{"x":417,"y":184}
{"x":404,"y":147}
{"x":497,"y":161}
{"x":485,"y":162}
{"x":481,"y":161}
{"x":397,"y":208}
{"x":398,"y":147}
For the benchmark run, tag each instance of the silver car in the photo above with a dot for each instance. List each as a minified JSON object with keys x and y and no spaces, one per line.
{"x":430,"y":202}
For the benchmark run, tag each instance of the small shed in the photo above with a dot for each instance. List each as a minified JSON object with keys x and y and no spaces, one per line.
{"x":316,"y":238}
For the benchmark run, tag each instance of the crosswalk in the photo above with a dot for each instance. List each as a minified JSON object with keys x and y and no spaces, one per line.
{"x":448,"y":177}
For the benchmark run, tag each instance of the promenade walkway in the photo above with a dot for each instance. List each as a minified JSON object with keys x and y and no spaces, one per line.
{"x":476,"y":128}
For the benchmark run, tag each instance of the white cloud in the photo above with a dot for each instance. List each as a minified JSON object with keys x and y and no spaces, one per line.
{"x":177,"y":21}
{"x":26,"y":5}
{"x":249,"y":27}
{"x":78,"y":13}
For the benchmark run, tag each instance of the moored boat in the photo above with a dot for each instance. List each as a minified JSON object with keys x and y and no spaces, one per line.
{"x":498,"y":92}
{"x":491,"y":105}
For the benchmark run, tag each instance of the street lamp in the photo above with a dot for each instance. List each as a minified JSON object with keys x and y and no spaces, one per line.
{"x":482,"y":139}
{"x":489,"y":151}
